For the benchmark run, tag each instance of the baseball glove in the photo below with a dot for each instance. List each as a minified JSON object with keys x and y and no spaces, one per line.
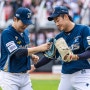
{"x":52,"y":51}
{"x":63,"y":50}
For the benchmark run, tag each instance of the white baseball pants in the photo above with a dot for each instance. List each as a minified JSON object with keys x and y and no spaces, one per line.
{"x":15,"y":81}
{"x":77,"y":81}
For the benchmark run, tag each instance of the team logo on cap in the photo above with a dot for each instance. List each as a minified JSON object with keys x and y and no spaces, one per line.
{"x":28,"y":15}
{"x":64,"y":11}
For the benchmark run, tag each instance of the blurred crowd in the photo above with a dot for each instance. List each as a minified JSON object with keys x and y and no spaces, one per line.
{"x":75,"y":7}
{"x":41,"y":9}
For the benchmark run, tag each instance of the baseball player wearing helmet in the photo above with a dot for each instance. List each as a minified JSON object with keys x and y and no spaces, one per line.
{"x":76,"y":73}
{"x":15,"y":53}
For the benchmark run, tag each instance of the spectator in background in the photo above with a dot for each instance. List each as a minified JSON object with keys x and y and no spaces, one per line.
{"x":40,"y":38}
{"x":32,"y":39}
{"x":8,"y":10}
{"x":49,"y":35}
{"x":26,"y":3}
{"x":16,"y":4}
{"x":49,"y":7}
{"x":75,"y":10}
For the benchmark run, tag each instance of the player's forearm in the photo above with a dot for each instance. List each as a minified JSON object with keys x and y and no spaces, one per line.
{"x":33,"y":50}
{"x":24,"y":52}
{"x":29,"y":51}
{"x":40,"y":48}
{"x":84,"y":55}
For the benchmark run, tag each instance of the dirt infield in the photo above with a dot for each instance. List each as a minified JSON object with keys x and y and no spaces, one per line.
{"x":44,"y":75}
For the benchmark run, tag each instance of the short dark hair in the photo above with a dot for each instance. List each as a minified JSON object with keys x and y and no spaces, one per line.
{"x":17,"y":18}
{"x":70,"y":18}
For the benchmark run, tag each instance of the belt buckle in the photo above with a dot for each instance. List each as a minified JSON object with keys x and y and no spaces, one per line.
{"x":83,"y":71}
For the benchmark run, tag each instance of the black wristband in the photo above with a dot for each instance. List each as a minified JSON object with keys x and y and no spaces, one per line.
{"x":42,"y":62}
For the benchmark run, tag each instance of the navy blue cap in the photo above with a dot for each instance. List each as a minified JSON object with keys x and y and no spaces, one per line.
{"x":24,"y":14}
{"x":57,"y":11}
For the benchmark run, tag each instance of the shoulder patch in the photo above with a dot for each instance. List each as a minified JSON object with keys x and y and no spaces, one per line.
{"x":11,"y":46}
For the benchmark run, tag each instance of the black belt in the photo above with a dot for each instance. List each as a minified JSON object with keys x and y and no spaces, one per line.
{"x":23,"y":72}
{"x":17,"y":72}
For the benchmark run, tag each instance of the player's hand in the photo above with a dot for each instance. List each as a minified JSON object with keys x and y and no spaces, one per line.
{"x":71,"y":57}
{"x":32,"y":69}
{"x":74,"y":57}
{"x":35,"y":58}
{"x":45,"y":47}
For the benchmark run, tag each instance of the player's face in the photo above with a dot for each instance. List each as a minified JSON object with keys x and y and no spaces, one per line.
{"x":60,"y":23}
{"x":20,"y":26}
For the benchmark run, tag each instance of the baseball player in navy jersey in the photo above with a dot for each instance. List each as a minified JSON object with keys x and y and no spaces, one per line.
{"x":15,"y":53}
{"x":76,"y":73}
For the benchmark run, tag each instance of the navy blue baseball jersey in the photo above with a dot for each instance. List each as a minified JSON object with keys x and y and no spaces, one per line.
{"x":11,"y":41}
{"x":78,"y":40}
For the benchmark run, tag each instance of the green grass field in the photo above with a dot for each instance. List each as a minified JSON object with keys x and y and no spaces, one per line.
{"x":45,"y":84}
{"x":0,"y":88}
{"x":45,"y":81}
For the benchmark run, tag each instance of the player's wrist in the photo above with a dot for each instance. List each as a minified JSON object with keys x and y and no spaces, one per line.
{"x":32,"y":55}
{"x":35,"y":66}
{"x":76,"y":57}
